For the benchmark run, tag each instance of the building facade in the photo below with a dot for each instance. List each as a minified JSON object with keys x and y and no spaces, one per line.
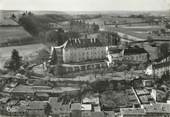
{"x":135,"y":54}
{"x":159,"y":67}
{"x":154,"y":110}
{"x":79,"y":50}
{"x":113,"y":55}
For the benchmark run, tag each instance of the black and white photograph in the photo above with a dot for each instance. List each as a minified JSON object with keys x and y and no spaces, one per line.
{"x":84,"y":58}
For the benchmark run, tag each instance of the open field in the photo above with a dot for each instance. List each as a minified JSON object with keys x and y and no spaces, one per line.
{"x":13,"y":33}
{"x":111,"y":19}
{"x":7,"y":22}
{"x":26,"y":51}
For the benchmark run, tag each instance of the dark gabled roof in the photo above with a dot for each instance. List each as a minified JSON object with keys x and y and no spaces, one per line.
{"x":114,"y":50}
{"x":134,"y":50}
{"x":83,"y":43}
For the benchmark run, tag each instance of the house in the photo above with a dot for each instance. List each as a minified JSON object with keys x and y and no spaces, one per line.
{"x":160,"y":67}
{"x":109,"y":113}
{"x":132,"y":112}
{"x":147,"y":83}
{"x":58,"y":109}
{"x":158,"y":95}
{"x":113,"y":55}
{"x":22,"y":92}
{"x":86,"y":110}
{"x":135,"y":55}
{"x":144,"y":96}
{"x":157,"y":110}
{"x":153,"y":110}
{"x":36,"y":109}
{"x":54,"y":25}
{"x":92,"y":99}
{"x":42,"y":96}
{"x":149,"y":70}
{"x":76,"y":110}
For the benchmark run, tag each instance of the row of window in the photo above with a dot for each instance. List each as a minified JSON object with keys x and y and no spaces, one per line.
{"x":137,"y":57}
{"x":85,"y":67}
{"x":85,"y":56}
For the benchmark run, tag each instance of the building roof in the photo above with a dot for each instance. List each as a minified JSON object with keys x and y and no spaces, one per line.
{"x":109,"y":113}
{"x":114,"y":50}
{"x":4,"y":100}
{"x":23,"y":89}
{"x":83,"y":43}
{"x":161,"y":65}
{"x":36,"y":105}
{"x":134,"y":50}
{"x":142,"y":92}
{"x":86,"y":107}
{"x":75,"y":106}
{"x":132,"y":111}
{"x":97,"y":108}
{"x":157,"y":108}
{"x":42,"y":94}
{"x":97,"y":114}
{"x":92,"y":100}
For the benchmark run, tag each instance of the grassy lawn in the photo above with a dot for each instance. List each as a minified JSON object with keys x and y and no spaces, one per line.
{"x":12,"y":33}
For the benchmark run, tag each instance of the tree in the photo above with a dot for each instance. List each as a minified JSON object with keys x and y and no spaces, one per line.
{"x":13,"y":16}
{"x":15,"y":62}
{"x":48,"y":109}
{"x":29,"y":24}
{"x":95,"y":27}
{"x":56,"y":37}
{"x":164,"y":49}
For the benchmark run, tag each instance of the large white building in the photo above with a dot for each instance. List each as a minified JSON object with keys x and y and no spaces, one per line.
{"x":79,"y":50}
{"x":79,"y":56}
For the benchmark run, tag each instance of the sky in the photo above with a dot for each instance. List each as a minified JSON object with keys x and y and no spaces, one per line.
{"x":86,"y":5}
